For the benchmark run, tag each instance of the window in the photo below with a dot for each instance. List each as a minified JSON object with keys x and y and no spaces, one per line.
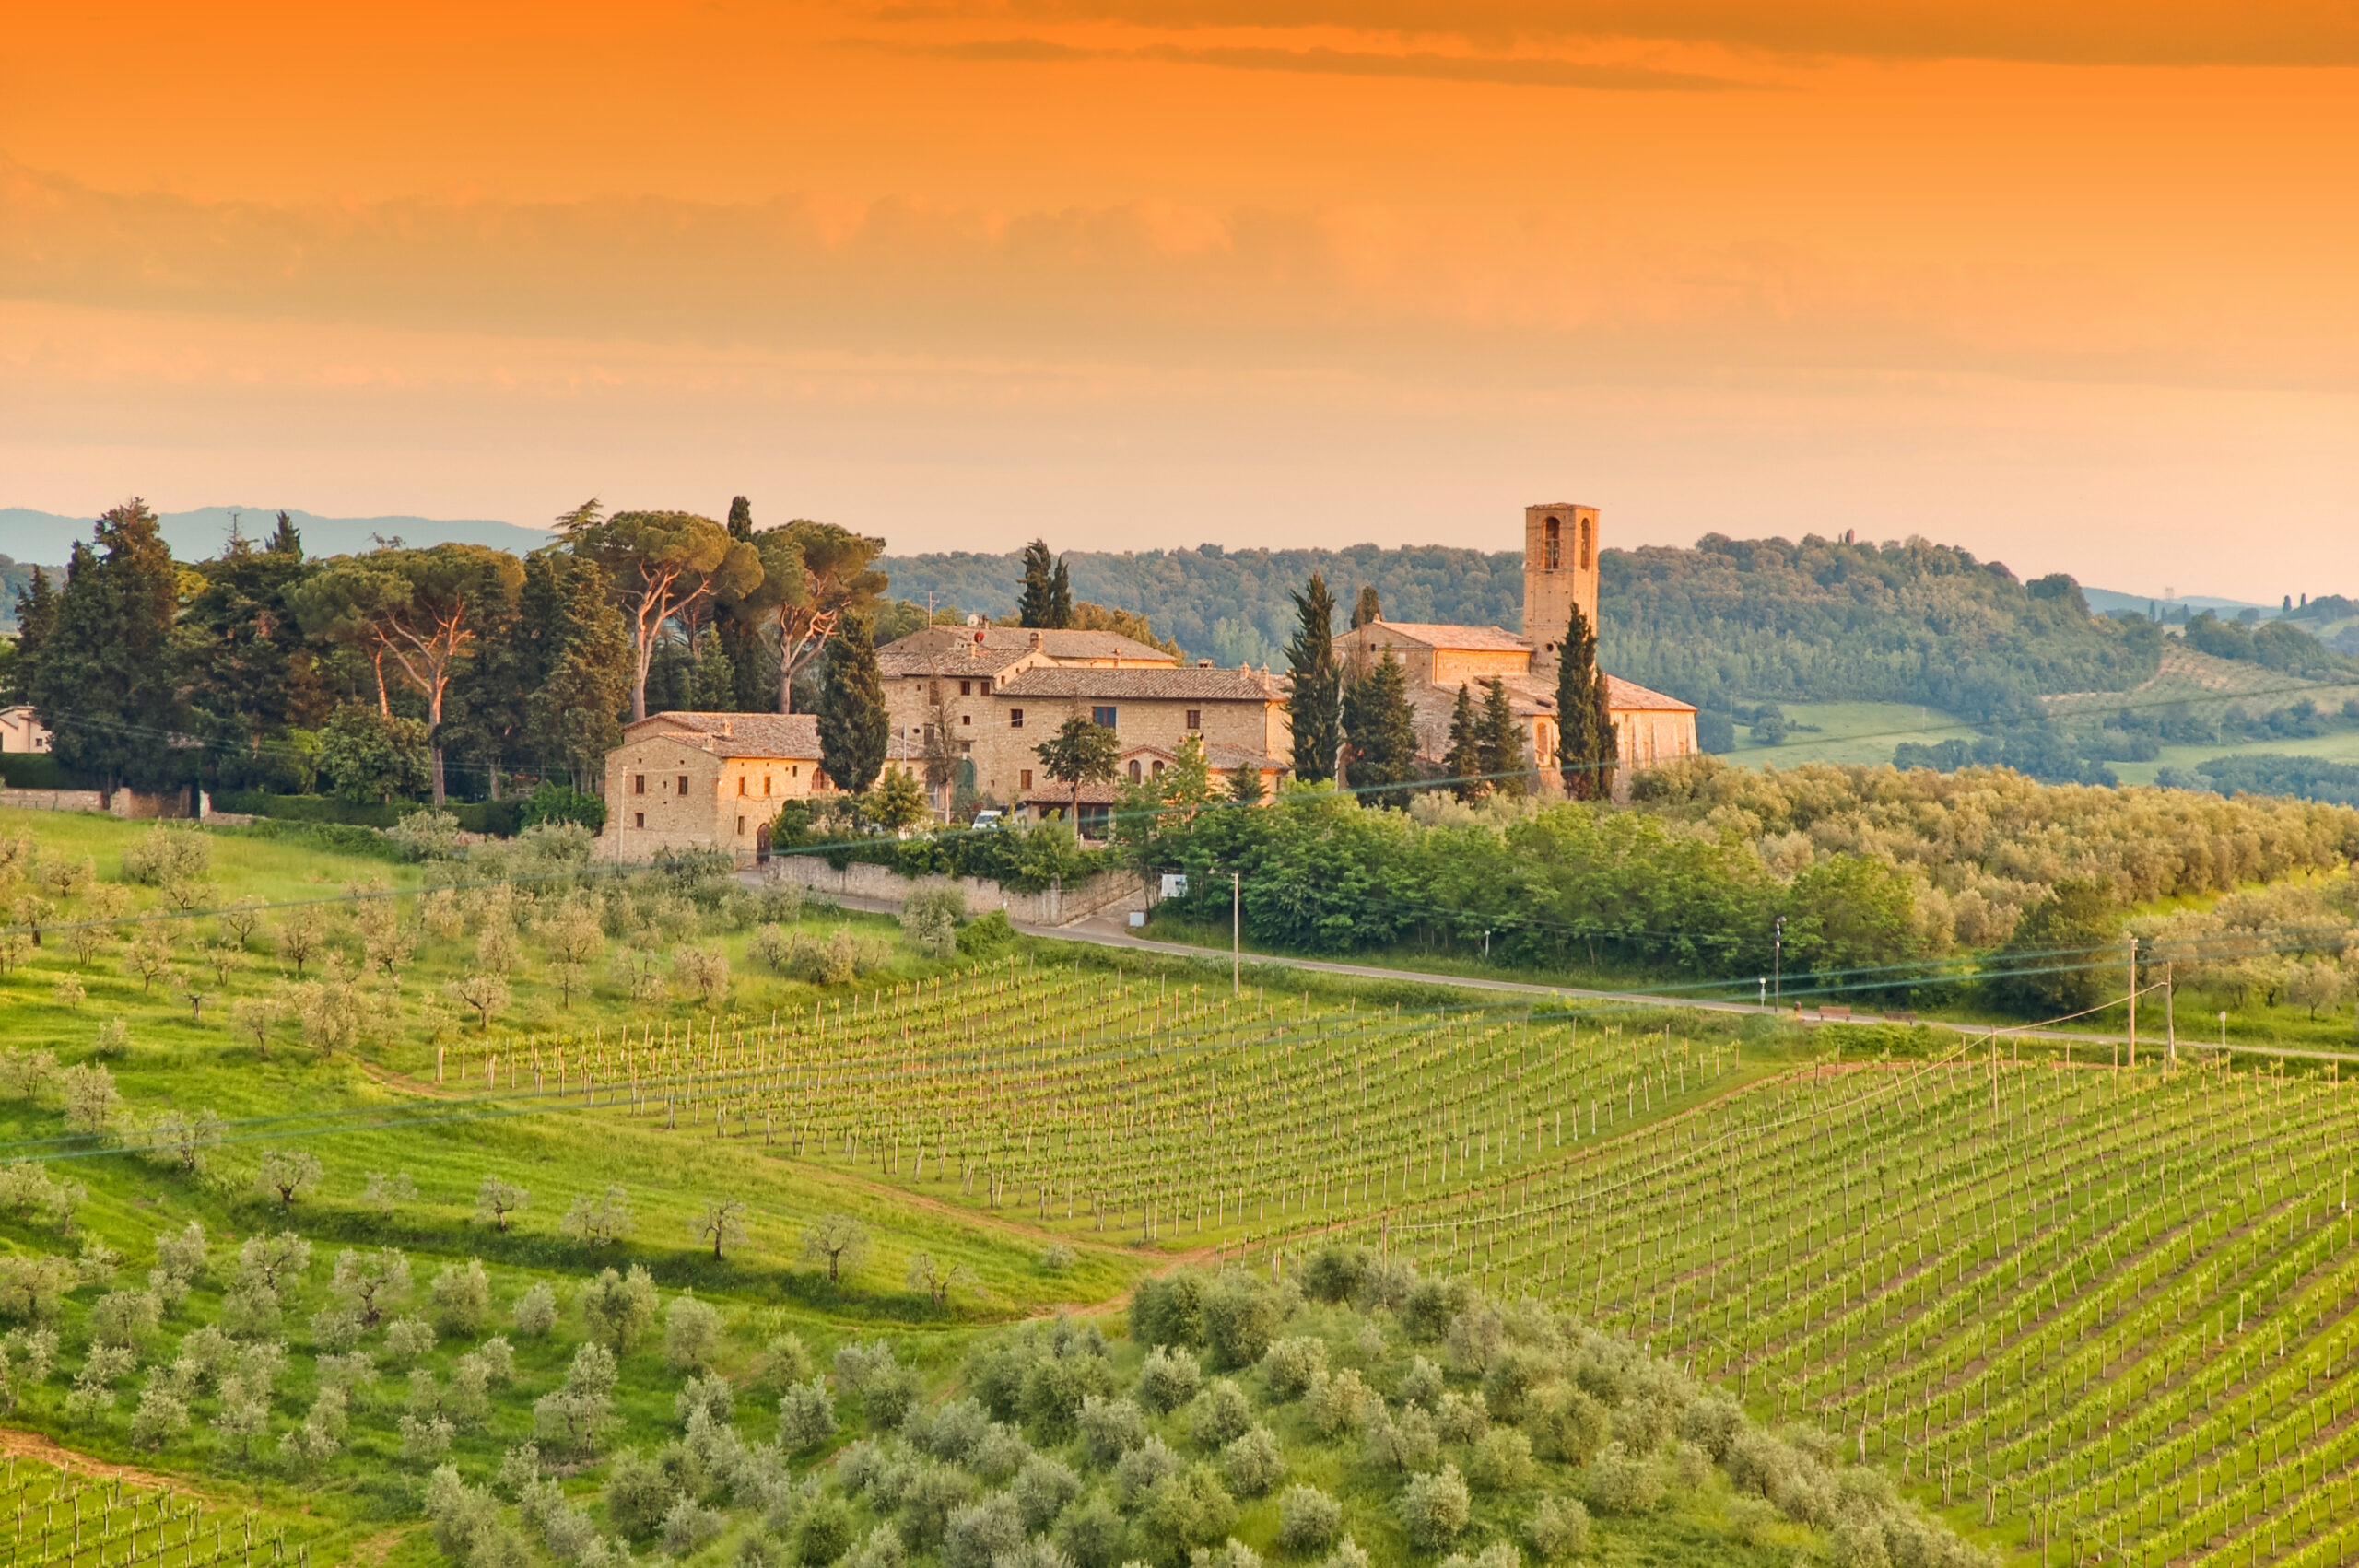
{"x":1158,"y":770}
{"x":1195,"y":719}
{"x":684,"y":783}
{"x":1024,"y":780}
{"x":639,"y":819}
{"x":965,"y":688}
{"x":1102,"y":716}
{"x":766,"y":785}
{"x":966,"y":718}
{"x":1015,"y":719}
{"x":1551,"y":544}
{"x":1585,"y":527}
{"x":741,"y":827}
{"x":965,"y":748}
{"x":741,"y":784}
{"x":1135,"y":770}
{"x":638,"y":783}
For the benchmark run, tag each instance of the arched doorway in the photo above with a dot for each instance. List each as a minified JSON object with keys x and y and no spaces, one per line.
{"x":762,"y":845}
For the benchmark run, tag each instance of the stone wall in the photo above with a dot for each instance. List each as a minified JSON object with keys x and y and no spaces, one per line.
{"x":1116,"y":892}
{"x":52,"y":800}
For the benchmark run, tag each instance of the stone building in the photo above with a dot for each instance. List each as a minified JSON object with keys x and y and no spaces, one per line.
{"x":999,"y":692}
{"x":705,"y":781}
{"x":1560,"y":554}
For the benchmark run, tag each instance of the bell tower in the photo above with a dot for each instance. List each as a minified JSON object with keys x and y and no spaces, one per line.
{"x":1560,"y":549}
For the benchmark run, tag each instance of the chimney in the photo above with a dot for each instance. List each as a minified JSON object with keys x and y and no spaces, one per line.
{"x":726,"y":732}
{"x":1204,"y":664}
{"x":1037,"y":639}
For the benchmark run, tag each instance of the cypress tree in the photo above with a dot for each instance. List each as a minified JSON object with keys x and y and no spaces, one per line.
{"x":753,"y":666}
{"x":105,"y":677}
{"x":1465,"y":756}
{"x":1585,"y":739}
{"x":578,"y":663}
{"x":1502,"y":740}
{"x":1368,"y":608}
{"x":36,"y":617}
{"x":1315,"y":703}
{"x":286,"y":539}
{"x":1382,"y":732}
{"x":853,"y":725}
{"x":1046,"y":601}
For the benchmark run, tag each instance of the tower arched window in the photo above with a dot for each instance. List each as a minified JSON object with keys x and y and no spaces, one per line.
{"x":1551,"y":544}
{"x":1585,"y":528}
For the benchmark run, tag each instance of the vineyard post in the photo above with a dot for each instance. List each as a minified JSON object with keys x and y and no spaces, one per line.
{"x":2170,"y":1031}
{"x":1236,"y":935}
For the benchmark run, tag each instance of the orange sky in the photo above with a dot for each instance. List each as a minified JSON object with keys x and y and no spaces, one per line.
{"x":2073,"y":287}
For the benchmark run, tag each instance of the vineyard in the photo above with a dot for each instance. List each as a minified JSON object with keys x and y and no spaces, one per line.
{"x":56,"y":1513}
{"x":1105,"y":1104}
{"x":2109,"y":1308}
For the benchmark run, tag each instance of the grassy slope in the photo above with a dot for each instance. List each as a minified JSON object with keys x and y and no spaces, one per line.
{"x":1860,"y":732}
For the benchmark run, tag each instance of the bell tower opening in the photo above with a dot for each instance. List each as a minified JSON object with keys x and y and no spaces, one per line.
{"x":1556,"y":579}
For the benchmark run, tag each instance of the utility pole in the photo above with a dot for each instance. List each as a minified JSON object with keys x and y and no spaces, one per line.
{"x":1236,"y":936}
{"x":2133,"y":1004}
{"x":2170,"y":1024}
{"x":1777,"y":960}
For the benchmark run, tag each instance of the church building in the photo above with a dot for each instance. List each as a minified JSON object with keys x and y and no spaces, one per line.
{"x":1560,"y":563}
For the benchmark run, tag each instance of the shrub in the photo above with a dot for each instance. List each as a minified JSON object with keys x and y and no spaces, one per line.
{"x":1308,"y":1518}
{"x":1499,"y":1554}
{"x":406,"y":1338}
{"x":166,"y":853}
{"x":1092,"y":1534}
{"x":982,"y":1532}
{"x":1220,"y":1415}
{"x":1168,"y":1310}
{"x":619,"y":1309}
{"x":806,"y":1416}
{"x":1403,"y":1443}
{"x":1253,"y":1463}
{"x":1624,"y":1483}
{"x":1337,"y":1401}
{"x":822,"y":1532}
{"x":535,"y":1310}
{"x":1169,"y":1377}
{"x":1184,"y":1511}
{"x":713,"y":1396}
{"x":1559,"y":1529}
{"x":1290,"y":1365}
{"x":1501,"y":1462}
{"x":1139,"y":1472}
{"x":1459,"y":1420}
{"x":461,"y":1297}
{"x":162,"y":1414}
{"x":1242,"y":1317}
{"x":1335,"y":1274}
{"x":1042,"y":1489}
{"x":1230,"y":1554}
{"x":929,"y":919}
{"x":691,"y":1333}
{"x":1422,"y":1383}
{"x":1109,"y":1428}
{"x":1434,"y":1509}
{"x":1567,"y":1424}
{"x":638,"y":1495}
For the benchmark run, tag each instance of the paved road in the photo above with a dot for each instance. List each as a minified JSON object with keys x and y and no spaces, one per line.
{"x":1108,"y":932}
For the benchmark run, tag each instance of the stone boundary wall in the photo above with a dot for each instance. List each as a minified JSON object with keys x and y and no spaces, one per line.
{"x":1107,"y":892}
{"x":52,"y":800}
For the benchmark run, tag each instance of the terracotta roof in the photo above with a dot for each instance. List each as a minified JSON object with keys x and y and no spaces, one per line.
{"x":792,"y":736}
{"x":1193,"y":681}
{"x":1473,"y":640}
{"x":1622,"y":697}
{"x":949,"y":651}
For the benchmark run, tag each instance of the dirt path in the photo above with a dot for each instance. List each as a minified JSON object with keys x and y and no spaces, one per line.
{"x":48,"y":1451}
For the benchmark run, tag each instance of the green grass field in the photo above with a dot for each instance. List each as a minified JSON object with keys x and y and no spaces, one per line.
{"x":1852,"y":1227}
{"x":1855,"y":733}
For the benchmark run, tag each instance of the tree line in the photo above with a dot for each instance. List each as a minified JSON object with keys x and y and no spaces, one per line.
{"x":392,"y":673}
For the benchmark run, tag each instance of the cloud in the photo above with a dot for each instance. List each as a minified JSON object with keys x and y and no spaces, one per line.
{"x":2177,"y":33}
{"x":1416,"y":65}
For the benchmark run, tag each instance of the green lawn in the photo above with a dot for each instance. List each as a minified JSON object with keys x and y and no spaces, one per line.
{"x":1859,"y":732}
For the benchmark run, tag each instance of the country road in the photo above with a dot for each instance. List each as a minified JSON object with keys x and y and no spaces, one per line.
{"x":1104,"y":931}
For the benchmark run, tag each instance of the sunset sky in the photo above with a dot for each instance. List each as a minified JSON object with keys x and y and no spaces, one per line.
{"x":2076,"y":286}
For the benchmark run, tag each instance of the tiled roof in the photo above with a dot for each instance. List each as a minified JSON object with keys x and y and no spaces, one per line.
{"x":789,"y":736}
{"x":953,"y":651}
{"x":1470,"y":639}
{"x":1624,"y":696}
{"x":1193,"y":681}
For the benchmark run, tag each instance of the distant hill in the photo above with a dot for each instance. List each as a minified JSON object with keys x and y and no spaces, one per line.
{"x":47,"y":538}
{"x":1830,"y":621}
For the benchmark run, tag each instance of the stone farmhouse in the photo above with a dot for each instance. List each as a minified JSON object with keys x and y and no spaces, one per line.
{"x":705,"y":781}
{"x":999,"y":691}
{"x":714,"y":780}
